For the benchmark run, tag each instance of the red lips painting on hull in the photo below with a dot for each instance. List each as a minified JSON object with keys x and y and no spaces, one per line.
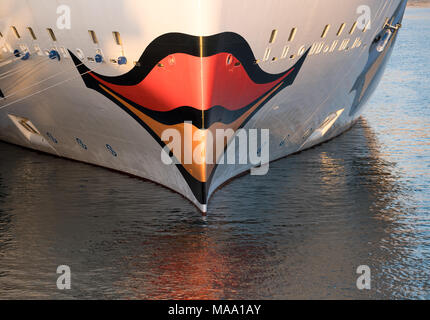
{"x":212,"y":82}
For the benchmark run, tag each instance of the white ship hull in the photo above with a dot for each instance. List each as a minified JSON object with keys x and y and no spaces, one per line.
{"x":301,"y":68}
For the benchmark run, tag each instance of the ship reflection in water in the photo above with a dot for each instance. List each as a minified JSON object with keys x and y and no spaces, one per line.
{"x":299,"y":232}
{"x":317,"y":217}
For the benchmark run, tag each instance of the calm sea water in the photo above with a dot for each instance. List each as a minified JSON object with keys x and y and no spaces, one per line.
{"x":361,"y":199}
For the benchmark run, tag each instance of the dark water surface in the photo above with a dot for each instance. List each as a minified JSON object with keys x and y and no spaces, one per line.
{"x":361,"y":199}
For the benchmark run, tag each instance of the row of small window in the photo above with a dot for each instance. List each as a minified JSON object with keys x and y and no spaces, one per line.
{"x":327,"y":28}
{"x":85,"y":147}
{"x":316,"y":48}
{"x":116,"y":35}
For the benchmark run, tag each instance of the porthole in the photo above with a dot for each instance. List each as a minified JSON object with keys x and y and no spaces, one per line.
{"x":33,"y":35}
{"x":93,"y":36}
{"x":292,"y":34}
{"x":285,"y":52}
{"x":117,"y":37}
{"x":325,"y":31}
{"x":82,"y":144}
{"x":51,"y":34}
{"x":111,"y":150}
{"x":15,"y":31}
{"x":341,"y":28}
{"x":273,"y":36}
{"x":301,"y":50}
{"x":354,"y":26}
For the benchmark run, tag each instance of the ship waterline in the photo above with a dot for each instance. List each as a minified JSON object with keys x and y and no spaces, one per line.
{"x":103,"y":88}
